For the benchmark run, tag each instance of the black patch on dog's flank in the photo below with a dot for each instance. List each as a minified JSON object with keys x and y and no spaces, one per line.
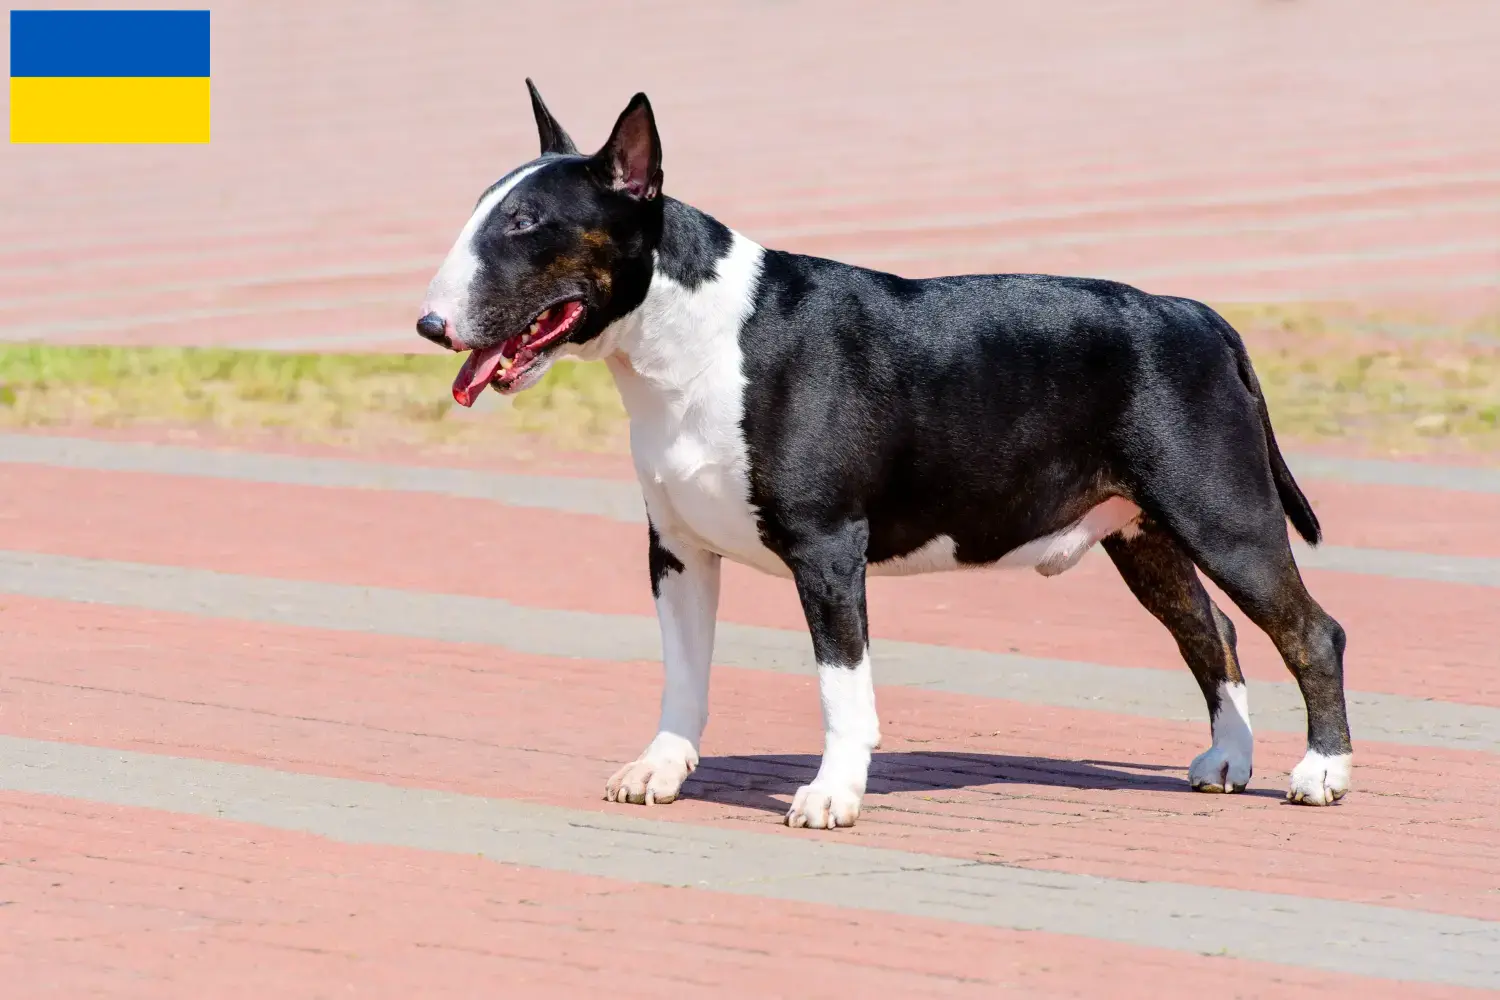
{"x":659,"y":559}
{"x":928,"y":408}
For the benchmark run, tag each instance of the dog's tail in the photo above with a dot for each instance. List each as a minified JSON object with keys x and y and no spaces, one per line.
{"x":1293,"y":501}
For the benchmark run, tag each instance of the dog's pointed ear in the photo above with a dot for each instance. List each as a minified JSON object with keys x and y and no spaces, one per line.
{"x":554,"y":138}
{"x":630,"y":161}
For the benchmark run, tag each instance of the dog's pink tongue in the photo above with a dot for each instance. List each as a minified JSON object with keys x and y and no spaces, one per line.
{"x":479,"y":367}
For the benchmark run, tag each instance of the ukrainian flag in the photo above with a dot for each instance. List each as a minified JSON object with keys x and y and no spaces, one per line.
{"x":109,"y":76}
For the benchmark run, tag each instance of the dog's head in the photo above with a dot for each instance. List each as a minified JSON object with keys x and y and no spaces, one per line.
{"x":555,"y":252}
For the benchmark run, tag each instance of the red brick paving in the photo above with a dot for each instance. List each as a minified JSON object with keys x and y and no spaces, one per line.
{"x":1442,"y":522}
{"x":1419,"y":834}
{"x":541,"y":558}
{"x":1255,"y":140}
{"x":971,"y":777}
{"x":125,"y":902}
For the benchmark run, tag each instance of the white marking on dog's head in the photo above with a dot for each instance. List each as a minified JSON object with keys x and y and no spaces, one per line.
{"x":449,"y":293}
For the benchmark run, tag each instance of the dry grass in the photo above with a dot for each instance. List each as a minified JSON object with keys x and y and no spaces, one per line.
{"x":1389,"y":385}
{"x":321,"y":398}
{"x":1366,"y":382}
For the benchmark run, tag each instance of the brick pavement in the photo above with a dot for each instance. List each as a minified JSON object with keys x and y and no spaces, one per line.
{"x":1384,"y":941}
{"x":1079,"y":792}
{"x":449,"y":617}
{"x":557,"y":560}
{"x":973,"y":778}
{"x":1330,"y":150}
{"x":296,"y":915}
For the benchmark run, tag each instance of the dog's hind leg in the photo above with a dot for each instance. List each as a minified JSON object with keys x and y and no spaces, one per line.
{"x":1217,"y":484}
{"x":685,"y":582}
{"x":1162,"y":577}
{"x":1260,"y":576}
{"x":829,"y":569}
{"x":1225,"y":514}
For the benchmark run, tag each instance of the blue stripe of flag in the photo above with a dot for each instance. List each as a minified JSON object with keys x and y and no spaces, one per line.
{"x":109,"y":43}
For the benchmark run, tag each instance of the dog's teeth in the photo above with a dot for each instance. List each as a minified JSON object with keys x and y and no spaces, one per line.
{"x":536,"y":327}
{"x":544,"y":315}
{"x":525,"y":338}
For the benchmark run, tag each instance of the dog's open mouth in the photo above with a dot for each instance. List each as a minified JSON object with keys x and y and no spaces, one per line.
{"x":504,"y":364}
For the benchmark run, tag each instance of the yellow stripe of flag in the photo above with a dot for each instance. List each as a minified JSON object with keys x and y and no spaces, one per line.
{"x":109,"y":109}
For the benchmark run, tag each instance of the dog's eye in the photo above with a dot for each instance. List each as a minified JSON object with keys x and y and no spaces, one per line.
{"x":521,"y":224}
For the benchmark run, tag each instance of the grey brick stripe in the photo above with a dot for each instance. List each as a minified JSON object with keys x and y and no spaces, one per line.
{"x":1276,"y":707}
{"x":621,"y":501}
{"x":1288,"y":930}
{"x":1380,"y":472}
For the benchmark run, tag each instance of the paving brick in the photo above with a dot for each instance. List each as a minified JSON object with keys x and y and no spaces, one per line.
{"x":538,"y":558}
{"x":341,"y":138}
{"x":127,"y":902}
{"x":968,"y":777}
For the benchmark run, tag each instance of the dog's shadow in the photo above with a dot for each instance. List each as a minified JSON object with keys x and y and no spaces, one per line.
{"x":755,"y":780}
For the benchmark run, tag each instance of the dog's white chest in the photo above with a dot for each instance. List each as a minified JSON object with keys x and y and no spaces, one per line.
{"x":680,"y":377}
{"x":694,"y":471}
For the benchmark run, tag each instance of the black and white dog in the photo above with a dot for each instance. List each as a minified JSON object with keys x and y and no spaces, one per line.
{"x":826,"y":422}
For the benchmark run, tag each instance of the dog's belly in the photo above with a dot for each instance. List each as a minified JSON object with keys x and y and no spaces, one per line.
{"x":1049,"y":555}
{"x":710,"y":508}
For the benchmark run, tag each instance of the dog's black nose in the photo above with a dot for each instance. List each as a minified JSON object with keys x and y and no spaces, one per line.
{"x":434,"y":328}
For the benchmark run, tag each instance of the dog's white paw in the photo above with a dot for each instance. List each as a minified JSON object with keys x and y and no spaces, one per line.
{"x":1226,"y":766}
{"x":1319,"y":780}
{"x":656,"y":776}
{"x":1220,"y":769}
{"x":824,"y":806}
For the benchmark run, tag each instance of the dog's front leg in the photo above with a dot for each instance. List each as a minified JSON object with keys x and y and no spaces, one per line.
{"x":830,"y":573}
{"x":685,"y":582}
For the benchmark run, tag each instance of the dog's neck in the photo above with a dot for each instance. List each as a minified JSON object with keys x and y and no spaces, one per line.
{"x":683,"y":339}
